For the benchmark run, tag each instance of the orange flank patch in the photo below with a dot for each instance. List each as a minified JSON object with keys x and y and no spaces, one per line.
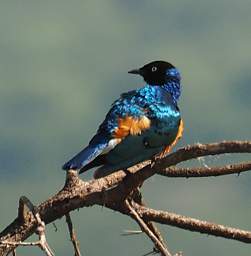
{"x":179,"y":135}
{"x":130,"y":125}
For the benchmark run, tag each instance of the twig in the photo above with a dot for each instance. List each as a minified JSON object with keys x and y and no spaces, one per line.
{"x":42,"y":239}
{"x":152,"y":252}
{"x":145,"y":229}
{"x":205,"y":171}
{"x":137,"y":197}
{"x":152,"y":226}
{"x":73,"y":236}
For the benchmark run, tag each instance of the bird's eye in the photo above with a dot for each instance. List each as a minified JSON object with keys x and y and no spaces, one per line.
{"x":154,"y":69}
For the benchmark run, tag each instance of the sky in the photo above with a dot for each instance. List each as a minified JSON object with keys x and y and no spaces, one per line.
{"x":62,"y":64}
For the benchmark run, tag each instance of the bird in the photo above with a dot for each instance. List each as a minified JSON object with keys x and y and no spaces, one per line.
{"x":140,"y":125}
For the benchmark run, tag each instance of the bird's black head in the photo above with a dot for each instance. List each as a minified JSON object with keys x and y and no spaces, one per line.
{"x":157,"y":72}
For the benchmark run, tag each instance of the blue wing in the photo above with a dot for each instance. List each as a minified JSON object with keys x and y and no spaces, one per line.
{"x":86,"y":155}
{"x":105,"y":140}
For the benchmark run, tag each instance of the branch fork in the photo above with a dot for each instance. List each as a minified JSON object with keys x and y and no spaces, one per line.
{"x":26,"y":207}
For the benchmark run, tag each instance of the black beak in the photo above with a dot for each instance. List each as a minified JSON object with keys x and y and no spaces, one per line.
{"x":135,"y":71}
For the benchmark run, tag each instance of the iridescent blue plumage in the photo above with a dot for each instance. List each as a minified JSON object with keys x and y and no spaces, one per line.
{"x":153,"y":99}
{"x":139,"y":125}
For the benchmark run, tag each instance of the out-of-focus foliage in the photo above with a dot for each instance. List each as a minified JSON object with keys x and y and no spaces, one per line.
{"x":63,"y":62}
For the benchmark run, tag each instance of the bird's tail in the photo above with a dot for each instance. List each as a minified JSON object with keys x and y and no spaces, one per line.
{"x":84,"y":157}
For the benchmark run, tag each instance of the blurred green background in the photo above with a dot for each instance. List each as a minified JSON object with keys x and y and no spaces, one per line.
{"x":62,"y":63}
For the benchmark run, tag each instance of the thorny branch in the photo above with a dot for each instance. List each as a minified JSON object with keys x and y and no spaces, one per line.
{"x":112,"y":192}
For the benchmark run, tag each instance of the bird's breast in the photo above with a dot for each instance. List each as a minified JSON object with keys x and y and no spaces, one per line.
{"x":161,"y":133}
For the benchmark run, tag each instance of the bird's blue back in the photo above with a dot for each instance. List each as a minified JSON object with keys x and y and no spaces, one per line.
{"x":154,"y":102}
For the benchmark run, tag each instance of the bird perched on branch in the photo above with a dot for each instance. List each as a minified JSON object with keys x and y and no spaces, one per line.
{"x":140,"y":125}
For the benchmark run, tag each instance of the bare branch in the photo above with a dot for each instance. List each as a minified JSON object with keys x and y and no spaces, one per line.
{"x":199,"y":150}
{"x":205,"y":171}
{"x":137,"y":197}
{"x":73,"y":235}
{"x":148,"y":232}
{"x":112,"y":190}
{"x":192,"y":224}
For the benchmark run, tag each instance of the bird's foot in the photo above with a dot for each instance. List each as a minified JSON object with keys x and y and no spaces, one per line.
{"x":127,"y":172}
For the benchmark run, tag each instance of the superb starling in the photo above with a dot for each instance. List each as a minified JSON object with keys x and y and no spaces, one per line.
{"x":140,"y":125}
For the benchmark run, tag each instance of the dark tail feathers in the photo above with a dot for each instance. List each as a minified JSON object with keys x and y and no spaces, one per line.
{"x":84,"y":157}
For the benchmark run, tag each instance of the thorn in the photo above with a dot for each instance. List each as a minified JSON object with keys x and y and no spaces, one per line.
{"x":55,"y":226}
{"x":154,"y":251}
{"x":131,"y":232}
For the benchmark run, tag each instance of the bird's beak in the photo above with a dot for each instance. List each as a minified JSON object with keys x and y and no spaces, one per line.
{"x":135,"y":71}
